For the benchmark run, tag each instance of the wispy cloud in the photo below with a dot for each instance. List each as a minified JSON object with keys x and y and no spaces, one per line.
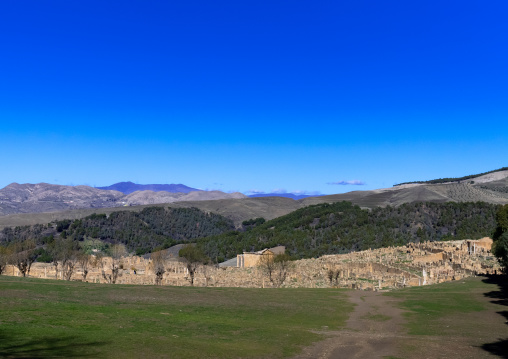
{"x":279,"y":190}
{"x":283,"y":191}
{"x":348,"y":183}
{"x":305,"y":192}
{"x":254,"y":191}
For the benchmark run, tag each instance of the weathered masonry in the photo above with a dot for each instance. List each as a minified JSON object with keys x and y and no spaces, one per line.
{"x":386,"y":268}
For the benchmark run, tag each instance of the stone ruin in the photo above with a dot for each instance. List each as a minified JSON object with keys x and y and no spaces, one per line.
{"x":382,"y":269}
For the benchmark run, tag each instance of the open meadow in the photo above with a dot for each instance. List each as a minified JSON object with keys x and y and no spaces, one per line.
{"x":47,"y":318}
{"x":44,"y":318}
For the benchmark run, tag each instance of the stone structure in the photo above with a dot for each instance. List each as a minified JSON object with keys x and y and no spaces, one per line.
{"x":386,"y":268}
{"x":251,"y":259}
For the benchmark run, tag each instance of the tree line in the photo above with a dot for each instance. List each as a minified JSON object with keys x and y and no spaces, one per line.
{"x":343,"y":227}
{"x":308,"y":232}
{"x":152,"y":229}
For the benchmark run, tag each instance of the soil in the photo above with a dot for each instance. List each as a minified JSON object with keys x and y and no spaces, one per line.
{"x":376,"y":330}
{"x":372,"y":331}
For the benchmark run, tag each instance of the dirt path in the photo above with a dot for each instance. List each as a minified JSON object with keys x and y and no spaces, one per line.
{"x":372,"y":330}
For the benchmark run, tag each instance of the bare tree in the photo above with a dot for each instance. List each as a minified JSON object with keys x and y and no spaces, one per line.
{"x":158,"y":266}
{"x":118,"y":251}
{"x":68,"y":257}
{"x":54,"y":249}
{"x":194,"y":257}
{"x":276,"y":267}
{"x":5,"y":254}
{"x":84,"y":261}
{"x":23,"y":255}
{"x":330,"y":275}
{"x":207,"y":272}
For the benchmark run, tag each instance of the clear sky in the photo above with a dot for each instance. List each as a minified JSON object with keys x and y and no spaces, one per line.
{"x":316,"y":96}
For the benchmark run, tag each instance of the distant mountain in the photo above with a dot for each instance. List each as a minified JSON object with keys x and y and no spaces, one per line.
{"x":31,"y":199}
{"x":45,"y":197}
{"x":129,"y":187}
{"x":285,"y":195}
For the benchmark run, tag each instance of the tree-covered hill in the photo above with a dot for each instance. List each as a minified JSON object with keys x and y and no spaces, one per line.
{"x":308,"y":232}
{"x":141,"y":232}
{"x":342,"y":227}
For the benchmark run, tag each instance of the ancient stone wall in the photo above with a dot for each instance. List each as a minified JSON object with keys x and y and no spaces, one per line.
{"x":385,"y":268}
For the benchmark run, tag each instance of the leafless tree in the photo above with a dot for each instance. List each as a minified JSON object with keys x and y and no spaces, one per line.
{"x":118,"y":251}
{"x":158,"y":266}
{"x":276,"y":268}
{"x":54,"y":250}
{"x":68,"y":257}
{"x":330,"y":275}
{"x":194,"y":257}
{"x":337,"y":275}
{"x":23,"y":255}
{"x":5,"y":254}
{"x":207,"y":270}
{"x":84,"y":261}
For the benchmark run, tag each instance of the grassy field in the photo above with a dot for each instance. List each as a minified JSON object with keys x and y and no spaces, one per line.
{"x":45,"y":318}
{"x":457,"y":317}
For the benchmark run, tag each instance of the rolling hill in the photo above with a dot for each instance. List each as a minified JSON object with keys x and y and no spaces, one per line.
{"x":44,"y":197}
{"x":491,"y":188}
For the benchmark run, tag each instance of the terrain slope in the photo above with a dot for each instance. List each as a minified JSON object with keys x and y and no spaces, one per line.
{"x":45,"y":197}
{"x":80,"y":201}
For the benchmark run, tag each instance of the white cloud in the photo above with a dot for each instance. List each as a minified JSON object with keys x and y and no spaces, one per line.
{"x":279,"y":190}
{"x":254,"y":191}
{"x":347,"y":183}
{"x":305,"y":192}
{"x":283,"y":191}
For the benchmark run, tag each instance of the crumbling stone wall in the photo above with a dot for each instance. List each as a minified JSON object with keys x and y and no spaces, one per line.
{"x":386,"y":268}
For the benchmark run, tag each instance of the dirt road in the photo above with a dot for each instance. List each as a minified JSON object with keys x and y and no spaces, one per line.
{"x":371,"y":331}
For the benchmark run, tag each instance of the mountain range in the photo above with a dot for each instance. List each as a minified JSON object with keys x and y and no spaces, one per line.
{"x":130,"y":187}
{"x":22,"y":204}
{"x":45,"y":197}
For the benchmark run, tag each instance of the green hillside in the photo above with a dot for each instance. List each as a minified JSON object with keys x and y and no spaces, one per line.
{"x":343,"y":227}
{"x":141,"y":232}
{"x":307,"y":232}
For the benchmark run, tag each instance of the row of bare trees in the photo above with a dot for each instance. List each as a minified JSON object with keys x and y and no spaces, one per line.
{"x":192,"y":255}
{"x":67,"y":257}
{"x":20,"y":254}
{"x":276,"y":267}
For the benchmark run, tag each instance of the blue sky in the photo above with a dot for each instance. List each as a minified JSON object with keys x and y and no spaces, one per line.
{"x":325,"y":97}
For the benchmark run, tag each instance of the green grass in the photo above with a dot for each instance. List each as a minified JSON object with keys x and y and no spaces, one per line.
{"x":443,"y":309}
{"x":43,"y":318}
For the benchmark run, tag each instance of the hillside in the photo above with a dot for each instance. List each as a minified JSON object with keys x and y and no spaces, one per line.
{"x":455,"y":179}
{"x":141,"y":232}
{"x":342,"y":227}
{"x":490,"y":188}
{"x":237,"y":210}
{"x":44,"y":197}
{"x":306,"y":232}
